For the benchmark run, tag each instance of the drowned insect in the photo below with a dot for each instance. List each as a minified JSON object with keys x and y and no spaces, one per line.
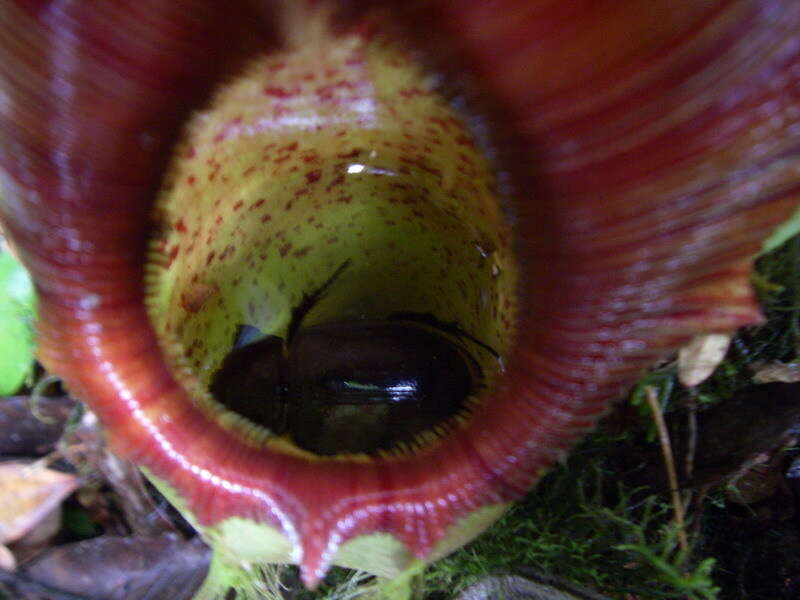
{"x":351,"y":386}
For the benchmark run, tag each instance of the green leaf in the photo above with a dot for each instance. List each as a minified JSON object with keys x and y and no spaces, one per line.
{"x":786,"y":230}
{"x":17,"y":312}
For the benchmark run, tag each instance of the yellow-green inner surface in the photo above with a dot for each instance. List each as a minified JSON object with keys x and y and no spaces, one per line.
{"x":336,"y":153}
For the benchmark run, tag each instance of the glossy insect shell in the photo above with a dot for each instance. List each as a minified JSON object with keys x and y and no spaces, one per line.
{"x":252,"y":382}
{"x":356,"y":386}
{"x":647,"y":170}
{"x":402,"y":377}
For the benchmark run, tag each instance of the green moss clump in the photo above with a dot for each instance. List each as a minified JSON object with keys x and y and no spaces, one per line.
{"x":581,"y":527}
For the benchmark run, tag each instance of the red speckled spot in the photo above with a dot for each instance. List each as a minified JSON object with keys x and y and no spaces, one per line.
{"x":195,"y":296}
{"x":301,"y":252}
{"x":338,"y":180}
{"x":281,"y":92}
{"x":173,"y":254}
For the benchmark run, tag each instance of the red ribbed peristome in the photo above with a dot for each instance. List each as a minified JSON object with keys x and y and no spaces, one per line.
{"x":654,"y":148}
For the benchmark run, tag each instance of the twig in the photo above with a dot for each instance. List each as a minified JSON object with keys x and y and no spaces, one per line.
{"x":669,"y":464}
{"x":691,"y":443}
{"x":37,"y":395}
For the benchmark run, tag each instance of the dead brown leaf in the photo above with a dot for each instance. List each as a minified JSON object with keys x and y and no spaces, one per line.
{"x":28,"y":494}
{"x":7,"y":560}
{"x":24,"y":434}
{"x":698,"y":359}
{"x":778,"y":372}
{"x":125,"y":568}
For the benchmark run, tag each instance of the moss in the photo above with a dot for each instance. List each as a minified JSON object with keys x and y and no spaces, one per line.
{"x":578,"y":526}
